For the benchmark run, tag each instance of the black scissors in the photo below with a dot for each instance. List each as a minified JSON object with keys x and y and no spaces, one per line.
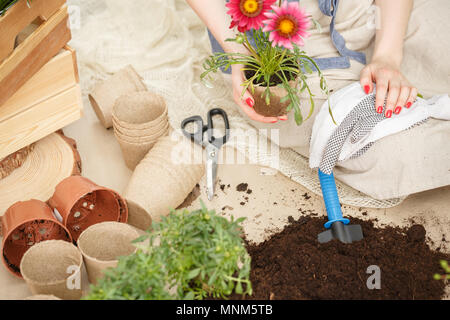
{"x":212,"y":145}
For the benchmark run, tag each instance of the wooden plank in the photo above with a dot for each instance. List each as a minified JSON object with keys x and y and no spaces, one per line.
{"x":34,"y":53}
{"x":39,"y":121}
{"x":58,"y":75}
{"x":19,"y":16}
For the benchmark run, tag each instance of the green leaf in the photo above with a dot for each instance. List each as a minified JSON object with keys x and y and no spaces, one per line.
{"x":193,"y":273}
{"x":298,"y":117}
{"x":239,"y":288}
{"x":285,"y":99}
{"x":308,"y":68}
{"x":140,"y":239}
{"x":444,"y":265}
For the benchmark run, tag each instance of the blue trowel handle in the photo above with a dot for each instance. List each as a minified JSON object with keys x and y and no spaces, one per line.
{"x":331,"y":199}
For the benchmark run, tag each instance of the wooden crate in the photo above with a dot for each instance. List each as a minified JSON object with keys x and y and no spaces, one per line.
{"x":49,"y":101}
{"x":18,"y":65}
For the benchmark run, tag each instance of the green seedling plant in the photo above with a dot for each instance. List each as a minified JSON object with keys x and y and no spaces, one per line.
{"x":446,"y":268}
{"x":188,"y":255}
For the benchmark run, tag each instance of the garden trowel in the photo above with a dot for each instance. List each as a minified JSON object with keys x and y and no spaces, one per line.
{"x":338,"y":226}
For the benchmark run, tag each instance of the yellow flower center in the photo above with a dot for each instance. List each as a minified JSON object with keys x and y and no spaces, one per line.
{"x":286,"y":26}
{"x":251,"y":6}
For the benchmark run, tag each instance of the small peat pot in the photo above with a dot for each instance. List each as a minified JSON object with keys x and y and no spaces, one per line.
{"x":140,"y":111}
{"x":139,"y":120}
{"x":53,"y":268}
{"x":139,"y":135}
{"x":162,"y":181}
{"x":82,"y":203}
{"x":133,"y":152}
{"x":24,"y":225}
{"x":276,"y":108}
{"x":103,"y":244}
{"x":105,"y":94}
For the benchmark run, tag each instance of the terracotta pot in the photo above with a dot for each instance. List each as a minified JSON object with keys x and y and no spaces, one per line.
{"x":82,"y":203}
{"x":159,"y":185}
{"x":139,"y":110}
{"x":103,"y":244}
{"x":53,"y":268}
{"x":24,"y":225}
{"x":105,"y":94}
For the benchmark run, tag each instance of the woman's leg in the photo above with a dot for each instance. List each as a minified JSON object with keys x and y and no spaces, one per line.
{"x":408,"y":162}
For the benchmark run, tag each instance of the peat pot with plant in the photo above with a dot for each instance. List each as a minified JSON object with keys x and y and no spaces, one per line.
{"x":188,"y":255}
{"x":276,"y":68}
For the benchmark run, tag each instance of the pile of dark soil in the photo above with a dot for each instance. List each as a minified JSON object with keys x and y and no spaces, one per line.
{"x":293,"y":265}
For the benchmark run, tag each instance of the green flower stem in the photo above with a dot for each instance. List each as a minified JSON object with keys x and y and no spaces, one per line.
{"x":249,"y":47}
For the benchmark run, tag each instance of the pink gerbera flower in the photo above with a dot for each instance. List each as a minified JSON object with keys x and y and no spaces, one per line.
{"x":248,"y":14}
{"x":288,"y":24}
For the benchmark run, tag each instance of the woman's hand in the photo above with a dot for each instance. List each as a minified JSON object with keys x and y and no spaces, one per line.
{"x":246,"y":101}
{"x":392,"y":86}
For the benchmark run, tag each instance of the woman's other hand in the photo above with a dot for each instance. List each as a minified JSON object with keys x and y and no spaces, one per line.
{"x":384,"y":69}
{"x":392,"y":87}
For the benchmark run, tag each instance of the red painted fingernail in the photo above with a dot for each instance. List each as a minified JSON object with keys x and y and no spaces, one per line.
{"x":398,"y":110}
{"x":388,"y":113}
{"x":366,"y":89}
{"x":380,"y":109}
{"x":408,"y":105}
{"x":250,"y":102}
{"x":274,"y":121}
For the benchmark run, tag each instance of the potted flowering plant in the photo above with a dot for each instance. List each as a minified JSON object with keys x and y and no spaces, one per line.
{"x":275,"y":67}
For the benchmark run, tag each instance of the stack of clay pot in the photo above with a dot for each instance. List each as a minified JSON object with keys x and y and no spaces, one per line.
{"x":163,"y":180}
{"x":139,"y":120}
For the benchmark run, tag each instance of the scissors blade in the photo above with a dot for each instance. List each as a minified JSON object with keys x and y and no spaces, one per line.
{"x":211,"y":170}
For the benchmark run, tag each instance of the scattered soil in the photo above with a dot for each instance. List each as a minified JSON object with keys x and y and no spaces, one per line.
{"x":293,"y":265}
{"x":416,"y":233}
{"x":306,"y":196}
{"x":243,"y":187}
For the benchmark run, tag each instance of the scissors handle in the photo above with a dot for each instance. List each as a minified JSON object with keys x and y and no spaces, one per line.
{"x":218,"y":142}
{"x":197,"y":136}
